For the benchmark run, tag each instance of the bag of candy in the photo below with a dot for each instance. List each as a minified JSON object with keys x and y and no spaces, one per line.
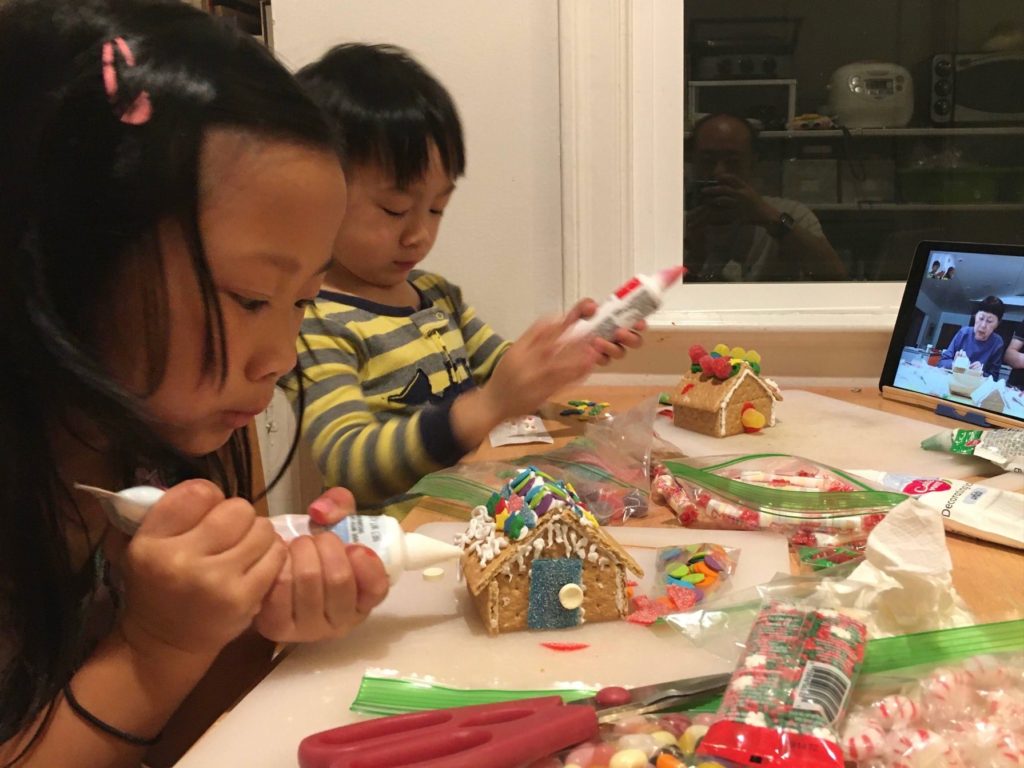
{"x":1003,"y":447}
{"x":684,"y":577}
{"x":608,"y":467}
{"x":812,"y":504}
{"x":948,"y":699}
{"x":789,"y":690}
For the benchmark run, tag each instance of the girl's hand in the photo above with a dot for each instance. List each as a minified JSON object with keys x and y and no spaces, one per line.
{"x":624,"y":337}
{"x":197,"y":570}
{"x":536,"y":366}
{"x":326,"y":587}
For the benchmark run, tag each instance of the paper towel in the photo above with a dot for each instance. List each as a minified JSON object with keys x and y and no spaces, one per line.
{"x":905,"y":583}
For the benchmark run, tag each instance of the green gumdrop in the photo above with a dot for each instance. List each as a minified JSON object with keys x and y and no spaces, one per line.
{"x":679,"y":572}
{"x":756,"y":367}
{"x":492,"y":503}
{"x":513,"y":526}
{"x":694,"y":578}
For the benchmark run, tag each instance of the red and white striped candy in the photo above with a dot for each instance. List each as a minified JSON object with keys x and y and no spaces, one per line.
{"x":985,"y":671}
{"x":862,"y":738}
{"x":991,"y":745}
{"x":919,"y":748}
{"x":897,"y":710}
{"x":949,"y":686}
{"x":1006,"y":708}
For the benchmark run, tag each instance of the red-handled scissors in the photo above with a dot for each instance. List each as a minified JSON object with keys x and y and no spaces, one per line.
{"x":503,"y":735}
{"x":509,"y":733}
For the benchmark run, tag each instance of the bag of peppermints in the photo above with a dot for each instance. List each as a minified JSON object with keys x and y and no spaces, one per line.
{"x":812,"y":504}
{"x":789,"y":691}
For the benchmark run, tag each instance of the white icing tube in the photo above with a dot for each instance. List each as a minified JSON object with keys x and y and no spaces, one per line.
{"x":981,"y":511}
{"x":399,"y":551}
{"x":634,"y":300}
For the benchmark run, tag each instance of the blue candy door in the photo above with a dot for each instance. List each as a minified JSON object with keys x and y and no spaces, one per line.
{"x":547,"y":577}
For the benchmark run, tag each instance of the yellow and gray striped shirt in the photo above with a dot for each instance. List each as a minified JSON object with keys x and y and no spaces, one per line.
{"x":380,"y":382}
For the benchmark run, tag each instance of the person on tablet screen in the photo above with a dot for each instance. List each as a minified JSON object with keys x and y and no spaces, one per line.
{"x":979,"y":341}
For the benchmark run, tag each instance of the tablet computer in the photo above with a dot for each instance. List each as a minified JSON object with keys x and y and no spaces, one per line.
{"x":958,"y":344}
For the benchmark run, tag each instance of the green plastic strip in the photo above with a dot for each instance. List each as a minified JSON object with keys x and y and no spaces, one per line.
{"x":942,"y":646}
{"x":453,"y":488}
{"x":391,"y":696}
{"x":805,"y":503}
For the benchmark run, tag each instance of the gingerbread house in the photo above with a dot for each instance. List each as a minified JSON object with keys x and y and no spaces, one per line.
{"x":537,"y":559}
{"x":724,"y":398}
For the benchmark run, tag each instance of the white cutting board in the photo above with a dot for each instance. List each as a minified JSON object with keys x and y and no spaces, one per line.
{"x":431,"y":628}
{"x":841,"y":434}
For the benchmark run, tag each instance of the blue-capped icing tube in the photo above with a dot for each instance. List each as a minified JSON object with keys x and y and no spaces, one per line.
{"x":398,"y":550}
{"x":632,"y":301}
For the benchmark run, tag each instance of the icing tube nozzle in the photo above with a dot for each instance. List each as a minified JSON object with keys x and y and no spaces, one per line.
{"x":669,"y":276}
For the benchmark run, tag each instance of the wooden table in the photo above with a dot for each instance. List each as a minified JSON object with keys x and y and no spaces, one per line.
{"x":990,"y":578}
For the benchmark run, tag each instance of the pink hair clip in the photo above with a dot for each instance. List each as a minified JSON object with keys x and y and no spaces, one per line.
{"x":141,"y":109}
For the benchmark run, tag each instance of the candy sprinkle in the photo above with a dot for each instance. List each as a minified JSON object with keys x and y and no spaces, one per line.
{"x":566,"y":646}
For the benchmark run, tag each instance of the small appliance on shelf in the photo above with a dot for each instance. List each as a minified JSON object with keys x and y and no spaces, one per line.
{"x":870,"y":94}
{"x":977,"y":88}
{"x":743,"y":48}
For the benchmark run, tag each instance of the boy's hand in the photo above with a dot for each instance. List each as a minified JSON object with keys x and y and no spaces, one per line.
{"x":326,"y":587}
{"x":197,"y":570}
{"x":624,"y":337}
{"x":536,"y":366}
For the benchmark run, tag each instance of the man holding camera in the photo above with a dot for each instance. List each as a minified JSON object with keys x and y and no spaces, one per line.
{"x":733,"y":234}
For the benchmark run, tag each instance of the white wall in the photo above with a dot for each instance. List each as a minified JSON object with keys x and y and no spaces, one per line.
{"x":501,"y":239}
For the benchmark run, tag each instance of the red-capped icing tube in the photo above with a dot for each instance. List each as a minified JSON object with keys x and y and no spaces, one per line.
{"x":632,"y":301}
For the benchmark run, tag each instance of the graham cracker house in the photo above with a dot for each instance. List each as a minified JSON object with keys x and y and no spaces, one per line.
{"x":561,"y":572}
{"x":719,"y":407}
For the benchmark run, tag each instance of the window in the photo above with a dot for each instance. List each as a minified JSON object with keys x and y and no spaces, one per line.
{"x":876,"y":191}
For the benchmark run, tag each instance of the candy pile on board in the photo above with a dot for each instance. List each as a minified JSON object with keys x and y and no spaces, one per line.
{"x":967,"y":715}
{"x":587,"y":410}
{"x":644,"y":741}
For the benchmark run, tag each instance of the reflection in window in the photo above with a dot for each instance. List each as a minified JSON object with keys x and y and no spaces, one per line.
{"x":825,"y":140}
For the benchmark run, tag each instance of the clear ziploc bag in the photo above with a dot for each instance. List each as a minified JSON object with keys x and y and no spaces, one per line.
{"x":953,"y":698}
{"x":947,"y":698}
{"x":608,"y":467}
{"x":810,"y":503}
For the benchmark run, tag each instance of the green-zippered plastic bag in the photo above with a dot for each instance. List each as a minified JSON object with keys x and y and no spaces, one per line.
{"x":612,"y":484}
{"x":885,"y":659}
{"x":810,"y":503}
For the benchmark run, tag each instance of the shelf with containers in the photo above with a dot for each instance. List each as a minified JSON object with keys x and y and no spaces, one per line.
{"x":878,"y":191}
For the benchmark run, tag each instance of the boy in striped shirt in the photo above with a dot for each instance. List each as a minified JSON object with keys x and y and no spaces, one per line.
{"x":400,"y":376}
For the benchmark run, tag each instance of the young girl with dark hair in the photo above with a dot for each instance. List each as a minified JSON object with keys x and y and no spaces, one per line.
{"x":169,"y":202}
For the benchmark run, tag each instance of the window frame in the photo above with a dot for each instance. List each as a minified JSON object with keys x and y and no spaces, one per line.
{"x":623,"y":94}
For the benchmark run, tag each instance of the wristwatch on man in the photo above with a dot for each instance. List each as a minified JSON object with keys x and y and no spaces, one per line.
{"x":781,"y":227}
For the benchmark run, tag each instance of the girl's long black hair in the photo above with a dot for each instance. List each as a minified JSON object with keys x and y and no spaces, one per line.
{"x":81,"y":194}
